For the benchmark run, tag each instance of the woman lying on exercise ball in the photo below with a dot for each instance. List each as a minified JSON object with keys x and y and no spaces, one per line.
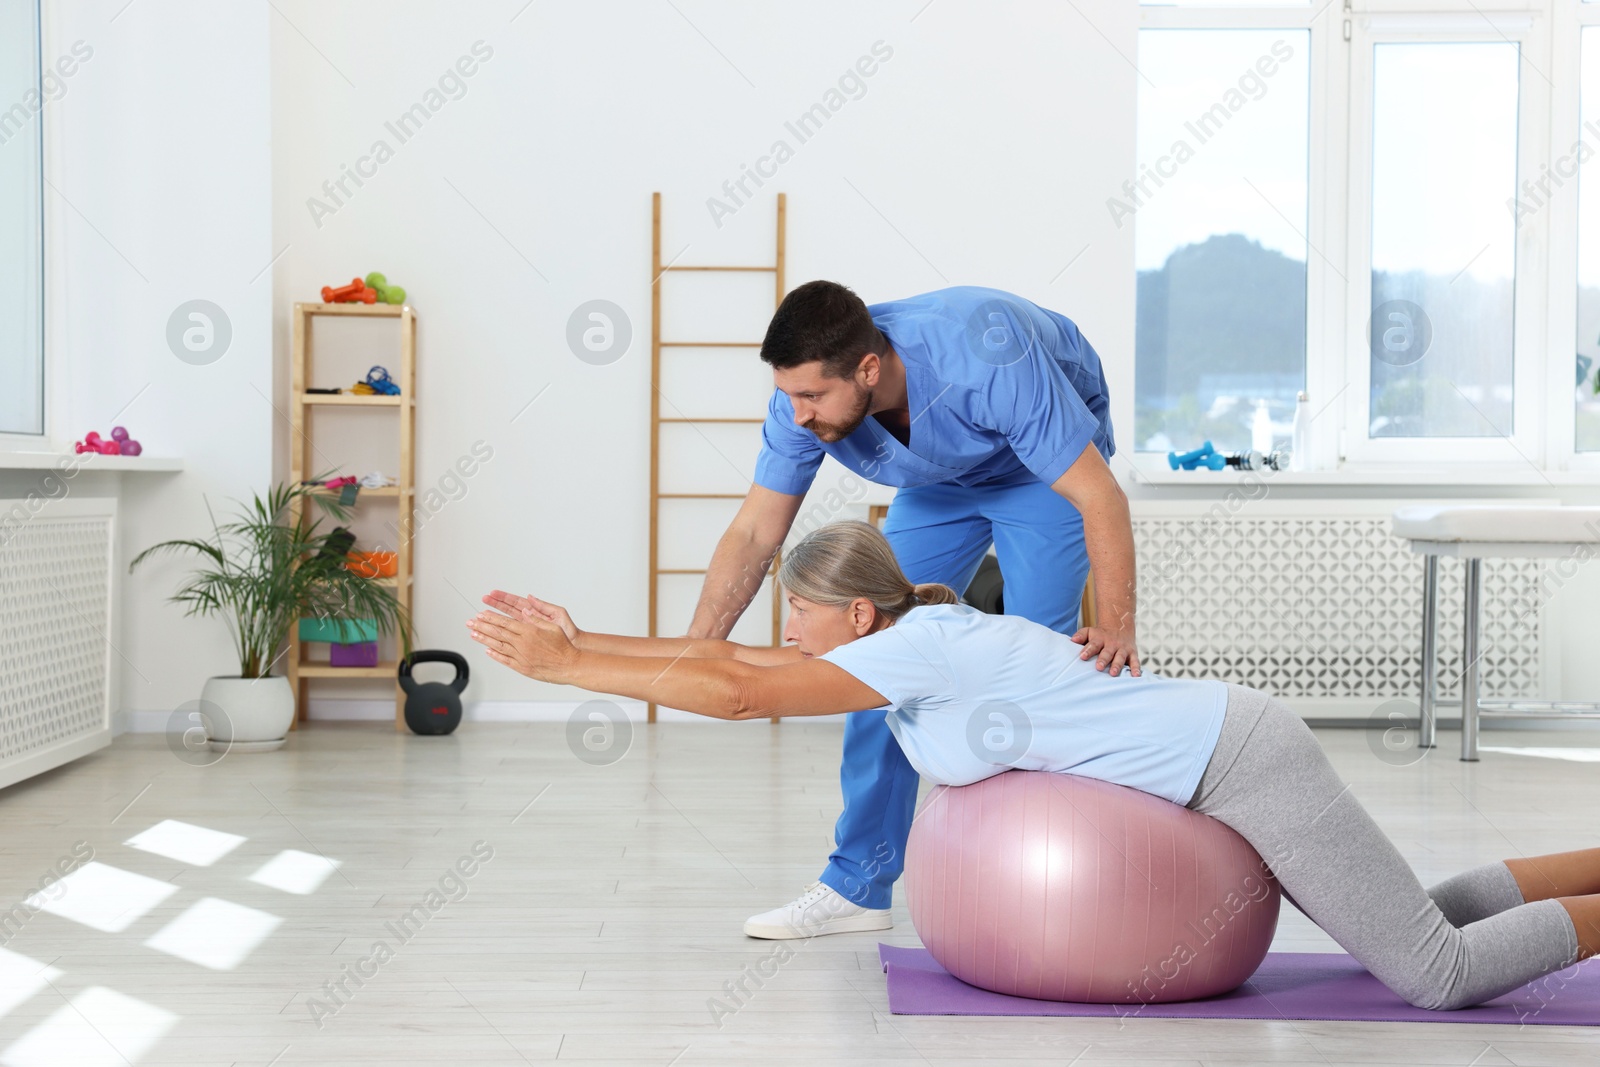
{"x":863,"y":637}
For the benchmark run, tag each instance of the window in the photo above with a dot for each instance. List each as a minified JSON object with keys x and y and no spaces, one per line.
{"x":1219,"y":210}
{"x":21,"y":225}
{"x":1444,"y":165}
{"x":1438,"y":228}
{"x":1587,"y":415}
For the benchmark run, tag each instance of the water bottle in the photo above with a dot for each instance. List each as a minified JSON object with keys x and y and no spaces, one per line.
{"x":1300,"y":442}
{"x":1261,"y":429}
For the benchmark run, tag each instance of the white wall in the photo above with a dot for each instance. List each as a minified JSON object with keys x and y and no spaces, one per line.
{"x":980,"y":152}
{"x":160,"y":192}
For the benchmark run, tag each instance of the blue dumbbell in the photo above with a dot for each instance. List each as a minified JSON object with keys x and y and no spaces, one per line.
{"x":1190,"y":460}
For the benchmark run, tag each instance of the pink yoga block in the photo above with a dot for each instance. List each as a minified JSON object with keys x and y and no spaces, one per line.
{"x":1059,"y":887}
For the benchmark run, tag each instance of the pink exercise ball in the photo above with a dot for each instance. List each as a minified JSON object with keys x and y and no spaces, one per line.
{"x":1060,"y":887}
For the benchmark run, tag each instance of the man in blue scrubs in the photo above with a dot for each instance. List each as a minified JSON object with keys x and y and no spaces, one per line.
{"x":990,"y":414}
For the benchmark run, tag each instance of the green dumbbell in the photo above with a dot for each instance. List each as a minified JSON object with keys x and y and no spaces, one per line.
{"x":389,"y":294}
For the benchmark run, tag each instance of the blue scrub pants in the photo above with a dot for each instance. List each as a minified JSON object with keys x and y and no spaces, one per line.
{"x":940,"y":533}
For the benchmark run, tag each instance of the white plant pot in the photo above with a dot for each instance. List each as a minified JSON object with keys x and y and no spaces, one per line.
{"x":247,"y":714}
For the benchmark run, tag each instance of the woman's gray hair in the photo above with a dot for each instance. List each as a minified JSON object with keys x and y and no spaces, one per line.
{"x":843,"y":561}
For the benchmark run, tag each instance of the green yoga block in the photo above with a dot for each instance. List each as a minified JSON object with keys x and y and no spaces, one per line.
{"x":344,"y":631}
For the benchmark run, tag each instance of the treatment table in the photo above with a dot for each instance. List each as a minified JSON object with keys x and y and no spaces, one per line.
{"x":1474,"y":533}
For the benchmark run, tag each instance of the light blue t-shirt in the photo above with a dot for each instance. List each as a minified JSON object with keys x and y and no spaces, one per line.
{"x":1000,"y":390}
{"x":972,"y":695}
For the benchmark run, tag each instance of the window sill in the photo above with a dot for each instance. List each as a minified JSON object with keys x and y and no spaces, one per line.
{"x":87,"y":461}
{"x":1482,"y":474}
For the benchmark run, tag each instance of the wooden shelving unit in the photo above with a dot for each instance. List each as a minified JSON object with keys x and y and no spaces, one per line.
{"x":403,"y":493}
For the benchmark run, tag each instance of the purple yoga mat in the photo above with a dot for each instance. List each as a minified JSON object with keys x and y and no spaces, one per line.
{"x":1288,"y":985}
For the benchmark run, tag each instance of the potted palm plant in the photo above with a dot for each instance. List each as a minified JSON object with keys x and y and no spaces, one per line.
{"x":263,"y":573}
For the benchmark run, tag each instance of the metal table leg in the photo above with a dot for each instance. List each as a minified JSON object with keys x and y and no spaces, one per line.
{"x":1430,"y":653}
{"x":1469,"y":656}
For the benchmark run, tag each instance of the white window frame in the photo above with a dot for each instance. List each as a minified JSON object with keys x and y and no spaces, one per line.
{"x":1527,"y":441}
{"x":1325,"y":186}
{"x":1339,"y":230}
{"x":17,"y":441}
{"x":1571,"y":17}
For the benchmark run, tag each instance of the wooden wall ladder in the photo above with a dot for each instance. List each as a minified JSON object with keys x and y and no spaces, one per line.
{"x":657,"y":271}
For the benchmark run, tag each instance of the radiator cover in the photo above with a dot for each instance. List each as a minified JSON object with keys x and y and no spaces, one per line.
{"x":55,"y":626}
{"x":1317,"y":602}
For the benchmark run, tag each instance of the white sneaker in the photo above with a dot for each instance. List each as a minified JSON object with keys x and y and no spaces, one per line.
{"x":819,"y":910}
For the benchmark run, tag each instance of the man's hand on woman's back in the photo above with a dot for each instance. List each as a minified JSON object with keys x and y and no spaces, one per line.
{"x":1109,"y":649}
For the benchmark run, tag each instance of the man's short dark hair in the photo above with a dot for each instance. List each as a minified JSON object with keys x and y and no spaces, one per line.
{"x":822,"y":321}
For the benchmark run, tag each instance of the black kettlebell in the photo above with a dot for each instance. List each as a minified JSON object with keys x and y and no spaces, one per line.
{"x":433,"y":707}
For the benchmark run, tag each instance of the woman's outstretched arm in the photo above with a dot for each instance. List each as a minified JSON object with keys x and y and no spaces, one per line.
{"x":516,"y":607}
{"x":718,"y":688}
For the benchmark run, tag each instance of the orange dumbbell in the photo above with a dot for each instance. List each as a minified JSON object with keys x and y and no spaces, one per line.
{"x":345,"y":293}
{"x":373,"y":564}
{"x":357,"y":291}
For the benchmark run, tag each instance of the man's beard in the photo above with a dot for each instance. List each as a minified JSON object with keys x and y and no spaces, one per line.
{"x":835,"y":431}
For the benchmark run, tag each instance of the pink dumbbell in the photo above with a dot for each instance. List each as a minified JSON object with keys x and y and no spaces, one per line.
{"x":119,"y":445}
{"x":130,"y":447}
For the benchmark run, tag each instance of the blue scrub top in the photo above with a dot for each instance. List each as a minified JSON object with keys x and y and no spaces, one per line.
{"x":1000,"y":390}
{"x":971,"y":695}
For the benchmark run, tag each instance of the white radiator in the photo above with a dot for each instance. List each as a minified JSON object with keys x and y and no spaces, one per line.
{"x":1318,"y":603}
{"x":55,"y":627}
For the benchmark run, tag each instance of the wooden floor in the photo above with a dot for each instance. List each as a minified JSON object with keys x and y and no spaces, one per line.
{"x":608,"y":917}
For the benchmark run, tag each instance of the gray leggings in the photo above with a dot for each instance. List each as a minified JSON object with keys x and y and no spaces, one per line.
{"x":1467,"y":940}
